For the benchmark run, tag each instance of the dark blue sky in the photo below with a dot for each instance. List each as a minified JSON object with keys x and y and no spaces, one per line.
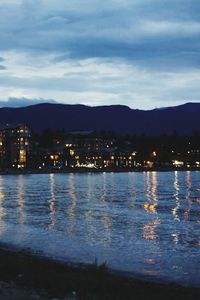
{"x":141,"y":53}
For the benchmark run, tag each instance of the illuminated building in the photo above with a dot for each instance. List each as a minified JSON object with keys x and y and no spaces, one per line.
{"x":177,"y":163}
{"x":14,"y":146}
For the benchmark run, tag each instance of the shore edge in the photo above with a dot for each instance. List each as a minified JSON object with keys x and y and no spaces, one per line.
{"x":83,"y":281}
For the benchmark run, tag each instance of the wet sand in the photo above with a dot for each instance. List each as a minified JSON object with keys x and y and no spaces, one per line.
{"x":27,"y":276}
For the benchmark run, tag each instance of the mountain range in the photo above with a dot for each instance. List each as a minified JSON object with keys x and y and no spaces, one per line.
{"x":184,"y":119}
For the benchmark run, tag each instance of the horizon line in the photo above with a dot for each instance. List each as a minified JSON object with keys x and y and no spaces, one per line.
{"x":54,"y":102}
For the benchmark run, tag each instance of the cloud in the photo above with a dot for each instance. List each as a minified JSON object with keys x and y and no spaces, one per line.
{"x":2,"y":68}
{"x":132,"y":51}
{"x":98,"y":29}
{"x":16,"y":102}
{"x":99,"y":81}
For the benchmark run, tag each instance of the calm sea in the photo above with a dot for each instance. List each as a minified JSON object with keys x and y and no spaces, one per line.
{"x":146,"y":224}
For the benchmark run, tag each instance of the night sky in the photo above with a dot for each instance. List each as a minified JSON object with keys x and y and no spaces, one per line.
{"x":140,"y":53}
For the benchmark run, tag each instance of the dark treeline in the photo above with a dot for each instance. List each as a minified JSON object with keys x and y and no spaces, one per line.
{"x":51,"y":138}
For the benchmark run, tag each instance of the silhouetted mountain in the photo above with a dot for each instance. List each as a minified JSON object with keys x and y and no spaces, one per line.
{"x":183,"y":119}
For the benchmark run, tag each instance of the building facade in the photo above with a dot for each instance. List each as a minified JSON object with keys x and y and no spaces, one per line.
{"x":14,"y":146}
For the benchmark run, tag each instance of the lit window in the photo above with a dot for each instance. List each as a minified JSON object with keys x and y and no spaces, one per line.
{"x":22,"y":156}
{"x":154,"y":153}
{"x":72,"y":152}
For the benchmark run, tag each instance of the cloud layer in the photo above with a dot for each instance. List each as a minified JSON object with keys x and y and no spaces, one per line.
{"x":15,"y":102}
{"x":142,"y":53}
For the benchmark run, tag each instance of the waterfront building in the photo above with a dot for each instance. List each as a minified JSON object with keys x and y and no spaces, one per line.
{"x":14,"y":146}
{"x":19,"y":149}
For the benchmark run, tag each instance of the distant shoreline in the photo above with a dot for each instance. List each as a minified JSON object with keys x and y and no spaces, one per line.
{"x":83,"y":281}
{"x":93,"y":170}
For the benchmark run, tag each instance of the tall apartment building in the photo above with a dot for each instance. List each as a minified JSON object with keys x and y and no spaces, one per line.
{"x":14,"y":146}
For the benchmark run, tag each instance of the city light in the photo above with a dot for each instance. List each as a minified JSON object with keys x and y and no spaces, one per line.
{"x":92,"y":151}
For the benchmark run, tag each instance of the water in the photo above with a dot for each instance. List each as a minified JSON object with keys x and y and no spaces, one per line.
{"x":143,"y":223}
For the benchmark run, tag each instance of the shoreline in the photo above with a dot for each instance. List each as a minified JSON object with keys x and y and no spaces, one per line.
{"x":33,"y":271}
{"x":93,"y":170}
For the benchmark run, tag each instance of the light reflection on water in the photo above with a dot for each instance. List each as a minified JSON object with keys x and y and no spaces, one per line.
{"x":21,"y":199}
{"x":2,"y":198}
{"x":144,"y":223}
{"x":52,"y":202}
